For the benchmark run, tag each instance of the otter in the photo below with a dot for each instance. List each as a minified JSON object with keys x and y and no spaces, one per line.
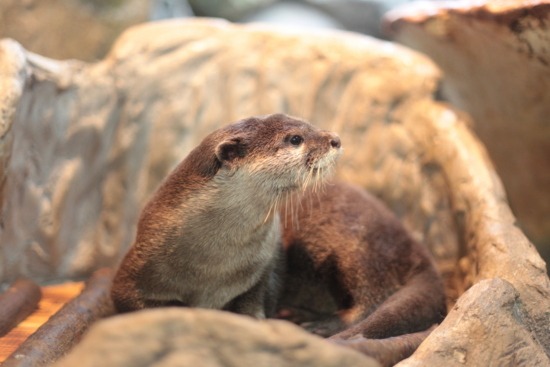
{"x":248,"y":222}
{"x":354,"y":270}
{"x":210,"y":236}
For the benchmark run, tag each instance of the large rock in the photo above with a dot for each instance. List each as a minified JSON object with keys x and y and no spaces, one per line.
{"x":490,"y":310}
{"x":83,"y":145}
{"x":91,"y":141}
{"x":69,"y":178}
{"x":184,"y":337}
{"x":82,"y":29}
{"x":496,"y":64}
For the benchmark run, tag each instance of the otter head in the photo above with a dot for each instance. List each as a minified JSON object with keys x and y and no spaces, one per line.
{"x":276,"y":153}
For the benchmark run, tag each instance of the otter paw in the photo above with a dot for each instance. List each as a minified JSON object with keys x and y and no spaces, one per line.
{"x":324,"y":328}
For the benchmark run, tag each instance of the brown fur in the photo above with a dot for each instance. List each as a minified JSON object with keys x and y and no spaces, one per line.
{"x":210,"y":236}
{"x":348,"y":247}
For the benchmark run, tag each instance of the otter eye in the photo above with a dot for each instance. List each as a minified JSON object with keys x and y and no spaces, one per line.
{"x":296,"y":140}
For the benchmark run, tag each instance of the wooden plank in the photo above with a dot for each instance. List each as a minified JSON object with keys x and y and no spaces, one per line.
{"x":53,"y":298}
{"x":17,"y":303}
{"x":65,"y":328}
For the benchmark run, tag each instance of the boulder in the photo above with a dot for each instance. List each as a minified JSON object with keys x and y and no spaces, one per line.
{"x":490,"y":310}
{"x":187,"y":337}
{"x":62,"y":29}
{"x":83,"y":145}
{"x":92,"y":141}
{"x":496,"y":64}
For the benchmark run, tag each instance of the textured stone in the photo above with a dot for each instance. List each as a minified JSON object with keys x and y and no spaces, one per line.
{"x":154,"y":98}
{"x":83,"y":145}
{"x":185,"y":337}
{"x":83,"y":29}
{"x":69,"y":180}
{"x":490,"y":310}
{"x":496,"y":62}
{"x":494,"y":245}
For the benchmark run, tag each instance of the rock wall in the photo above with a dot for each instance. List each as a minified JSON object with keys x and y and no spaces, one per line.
{"x":69,"y":180}
{"x":496,"y":64}
{"x":83,"y":145}
{"x":100,"y":136}
{"x":62,"y":29}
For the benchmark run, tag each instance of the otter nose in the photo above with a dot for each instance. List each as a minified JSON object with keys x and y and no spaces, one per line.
{"x":335,"y":142}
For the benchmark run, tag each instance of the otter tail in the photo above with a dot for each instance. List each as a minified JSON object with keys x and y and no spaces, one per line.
{"x":417,"y":305}
{"x":387,"y":351}
{"x":395,"y":329}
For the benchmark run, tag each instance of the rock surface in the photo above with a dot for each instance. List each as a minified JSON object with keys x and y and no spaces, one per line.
{"x":496,"y":61}
{"x":83,"y":145}
{"x":115,"y":128}
{"x":82,"y":29}
{"x":86,"y":29}
{"x":495,"y":246}
{"x":185,"y":337}
{"x":490,"y":310}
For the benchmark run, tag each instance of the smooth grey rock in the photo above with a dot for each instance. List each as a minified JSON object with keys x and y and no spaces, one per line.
{"x":192,"y":337}
{"x":293,"y":14}
{"x":233,"y":10}
{"x":164,"y":9}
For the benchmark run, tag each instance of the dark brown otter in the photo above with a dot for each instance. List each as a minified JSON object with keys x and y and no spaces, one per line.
{"x":211,"y":237}
{"x":345,"y":246}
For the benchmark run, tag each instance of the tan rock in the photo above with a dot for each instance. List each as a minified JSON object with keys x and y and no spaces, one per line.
{"x":490,"y":310}
{"x":496,"y":63}
{"x":62,"y":29}
{"x":494,"y":245}
{"x":153,"y":98}
{"x":185,"y":337}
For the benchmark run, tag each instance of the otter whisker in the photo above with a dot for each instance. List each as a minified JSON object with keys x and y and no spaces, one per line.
{"x":286,"y":208}
{"x":267,"y":216}
{"x":318,"y":179}
{"x":277,"y":200}
{"x":272,"y":206}
{"x":295,"y":221}
{"x":306,"y":181}
{"x":308,"y":178}
{"x":315,"y":179}
{"x":327,"y":173}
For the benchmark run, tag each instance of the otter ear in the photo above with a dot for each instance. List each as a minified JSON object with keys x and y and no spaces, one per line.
{"x":230,"y":149}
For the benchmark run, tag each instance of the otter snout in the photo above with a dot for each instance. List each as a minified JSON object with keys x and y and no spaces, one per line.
{"x":324,"y":151}
{"x":333,"y":139}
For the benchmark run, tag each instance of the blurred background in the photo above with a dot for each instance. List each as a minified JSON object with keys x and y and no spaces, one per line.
{"x":86,"y":29}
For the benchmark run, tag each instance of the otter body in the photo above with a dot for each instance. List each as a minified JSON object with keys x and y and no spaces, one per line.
{"x":213,"y":235}
{"x":347,"y":247}
{"x":210,"y":237}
